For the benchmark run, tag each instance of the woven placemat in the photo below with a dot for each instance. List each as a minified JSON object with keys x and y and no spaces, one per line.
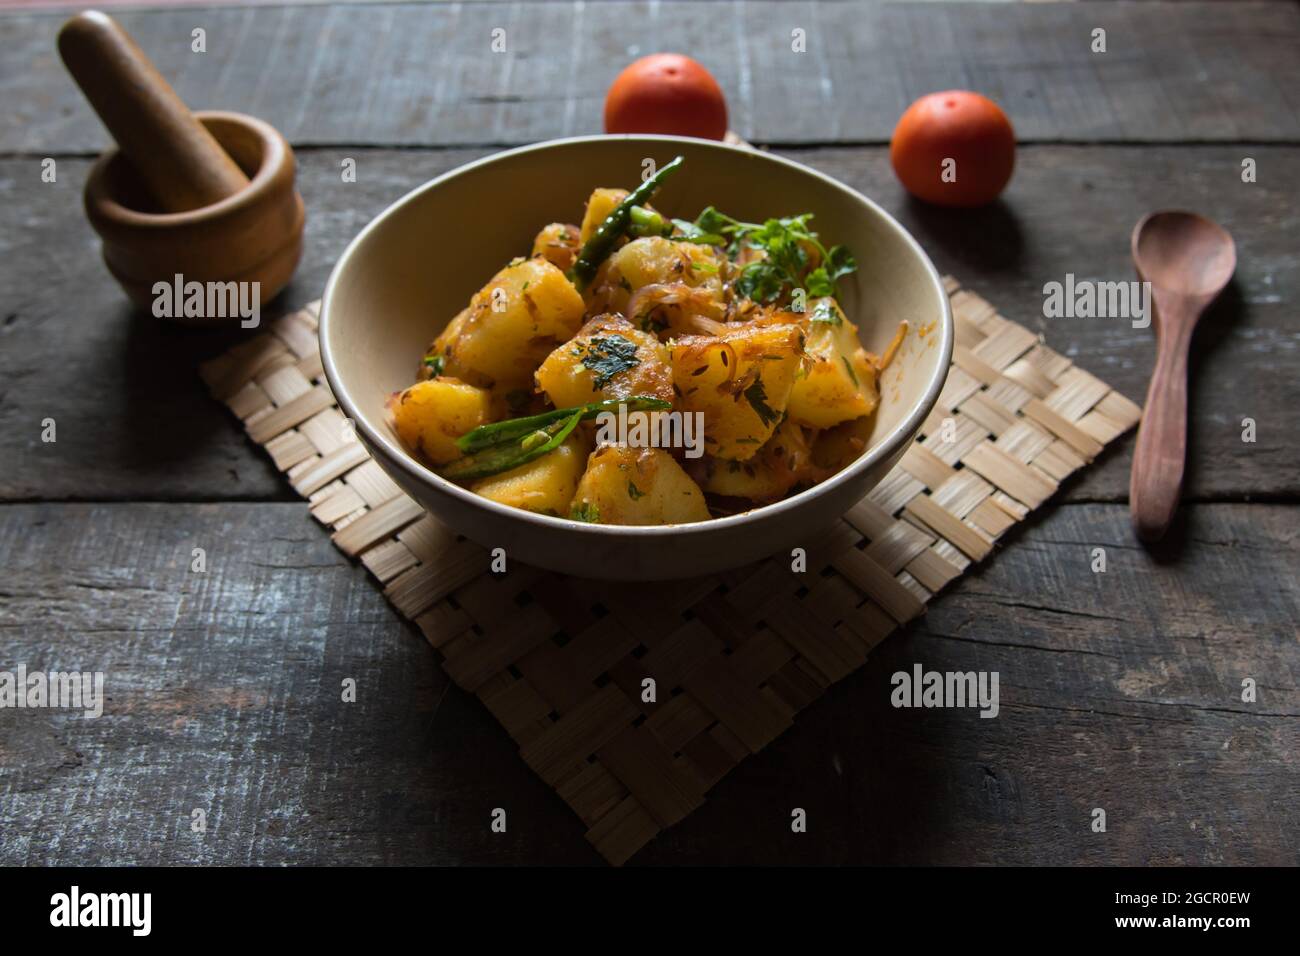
{"x":560,"y":661}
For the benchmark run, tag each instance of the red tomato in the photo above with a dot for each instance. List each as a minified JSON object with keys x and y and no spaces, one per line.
{"x":955,"y":148}
{"x":666,"y":93}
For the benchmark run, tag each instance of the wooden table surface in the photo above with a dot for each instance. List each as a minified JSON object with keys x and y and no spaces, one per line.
{"x":1120,"y":690}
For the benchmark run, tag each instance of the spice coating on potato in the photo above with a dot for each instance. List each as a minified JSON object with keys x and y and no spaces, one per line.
{"x":637,"y":486}
{"x":510,"y":326}
{"x":783,"y":462}
{"x":838,"y":382}
{"x":430,"y":415}
{"x":838,"y":447}
{"x":655,"y":261}
{"x":545,"y":485}
{"x":740,"y":380}
{"x":608,"y":358}
{"x":558,"y":243}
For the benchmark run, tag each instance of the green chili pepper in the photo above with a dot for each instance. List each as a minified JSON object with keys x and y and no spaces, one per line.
{"x":602,"y":241}
{"x":516,"y":429}
{"x":505,"y":456}
{"x":647,"y":222}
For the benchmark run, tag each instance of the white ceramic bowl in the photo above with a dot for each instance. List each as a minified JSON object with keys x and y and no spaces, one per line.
{"x":416,"y":265}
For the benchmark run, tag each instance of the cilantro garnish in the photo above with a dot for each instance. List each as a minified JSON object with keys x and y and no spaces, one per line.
{"x":756,"y":395}
{"x":586,"y":512}
{"x":786,"y":243}
{"x":691,"y":232}
{"x":607,"y":356}
{"x":434,"y":363}
{"x":634,"y":492}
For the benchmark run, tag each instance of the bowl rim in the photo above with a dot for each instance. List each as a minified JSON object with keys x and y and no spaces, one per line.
{"x":400,"y":457}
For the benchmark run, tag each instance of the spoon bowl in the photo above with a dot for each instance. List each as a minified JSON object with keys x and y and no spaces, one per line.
{"x":1184,"y":253}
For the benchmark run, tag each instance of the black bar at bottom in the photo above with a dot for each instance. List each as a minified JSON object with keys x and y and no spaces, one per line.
{"x":332,"y":906}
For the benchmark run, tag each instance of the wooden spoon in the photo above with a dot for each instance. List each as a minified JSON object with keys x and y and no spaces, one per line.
{"x":1188,"y":260}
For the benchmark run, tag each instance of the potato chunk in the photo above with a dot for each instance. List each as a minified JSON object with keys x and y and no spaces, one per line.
{"x":691,"y":272}
{"x":784,"y":461}
{"x":838,"y":447}
{"x":545,"y":485}
{"x":608,"y":358}
{"x":654,"y":259}
{"x":839,"y":383}
{"x":740,"y":380}
{"x":558,"y":245}
{"x":625,"y":485}
{"x":599,"y":205}
{"x":430,"y":415}
{"x":511,"y":325}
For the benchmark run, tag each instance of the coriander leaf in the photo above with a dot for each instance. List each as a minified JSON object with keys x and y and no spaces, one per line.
{"x":761,"y":281}
{"x":819,"y":283}
{"x":756,"y":395}
{"x":586,"y":512}
{"x":634,"y":492}
{"x":789,"y":246}
{"x":609,"y":355}
{"x":712,"y":221}
{"x":690,"y":232}
{"x":839,"y":263}
{"x":435,"y":363}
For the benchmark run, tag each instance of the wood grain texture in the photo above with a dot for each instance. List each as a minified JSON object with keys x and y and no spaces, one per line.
{"x":136,"y":423}
{"x":1119,"y":690}
{"x":426,"y":74}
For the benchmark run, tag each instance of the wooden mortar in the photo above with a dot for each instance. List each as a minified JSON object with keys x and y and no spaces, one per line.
{"x":207,"y":196}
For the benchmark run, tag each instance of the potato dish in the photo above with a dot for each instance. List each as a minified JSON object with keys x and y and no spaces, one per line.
{"x":642,"y":370}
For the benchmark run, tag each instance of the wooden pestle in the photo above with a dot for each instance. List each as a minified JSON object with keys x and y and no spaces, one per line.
{"x":180,"y":163}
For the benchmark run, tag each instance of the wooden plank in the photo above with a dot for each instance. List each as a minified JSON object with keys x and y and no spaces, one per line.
{"x":225,"y":694}
{"x":134,"y":421}
{"x":1120,"y":690}
{"x":420,"y":74}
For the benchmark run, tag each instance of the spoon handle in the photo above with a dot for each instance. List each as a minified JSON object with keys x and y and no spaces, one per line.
{"x":1157,"y":478}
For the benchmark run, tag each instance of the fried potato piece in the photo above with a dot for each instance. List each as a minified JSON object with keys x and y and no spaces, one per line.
{"x":837,"y":448}
{"x":599,"y":205}
{"x":510,"y":326}
{"x":608,"y":358}
{"x":740,"y":380}
{"x":545,"y":485}
{"x":690,"y":270}
{"x":637,"y":486}
{"x":430,"y":415}
{"x":784,"y":461}
{"x":558,"y":244}
{"x":839,"y":379}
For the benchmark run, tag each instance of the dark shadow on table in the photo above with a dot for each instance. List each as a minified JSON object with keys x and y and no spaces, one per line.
{"x":164,"y":415}
{"x":981,"y":240}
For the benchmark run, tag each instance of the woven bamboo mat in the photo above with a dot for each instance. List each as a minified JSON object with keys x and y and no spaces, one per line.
{"x":561,"y":662}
